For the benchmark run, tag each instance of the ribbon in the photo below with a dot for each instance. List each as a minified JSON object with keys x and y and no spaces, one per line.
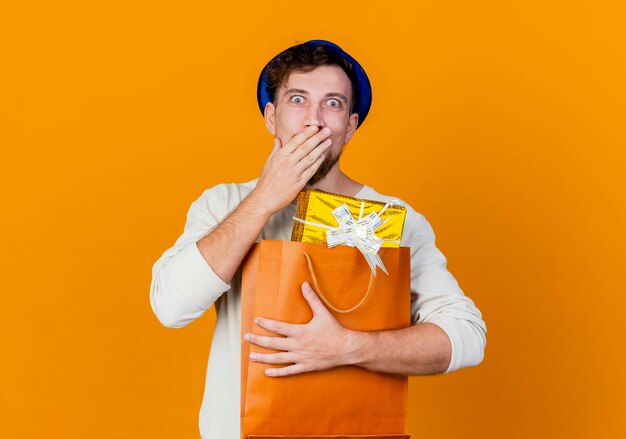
{"x":357,"y":233}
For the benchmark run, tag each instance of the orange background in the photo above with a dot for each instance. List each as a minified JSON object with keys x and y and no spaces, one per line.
{"x":502,"y":122}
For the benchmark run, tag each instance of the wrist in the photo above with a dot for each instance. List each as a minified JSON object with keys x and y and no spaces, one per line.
{"x":356,"y":347}
{"x":256,"y":203}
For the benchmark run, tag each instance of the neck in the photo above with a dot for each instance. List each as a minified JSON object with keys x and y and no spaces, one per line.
{"x":338,"y":183}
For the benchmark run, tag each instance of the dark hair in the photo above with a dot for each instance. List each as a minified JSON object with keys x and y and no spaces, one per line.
{"x":304,"y":58}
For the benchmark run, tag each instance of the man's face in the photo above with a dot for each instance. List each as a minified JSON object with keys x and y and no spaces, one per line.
{"x":320,"y":97}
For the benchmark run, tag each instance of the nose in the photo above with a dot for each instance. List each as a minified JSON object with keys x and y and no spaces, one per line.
{"x":314,"y":116}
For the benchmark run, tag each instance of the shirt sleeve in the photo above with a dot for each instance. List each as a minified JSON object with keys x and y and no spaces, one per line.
{"x":440,"y":300}
{"x":183,"y":284}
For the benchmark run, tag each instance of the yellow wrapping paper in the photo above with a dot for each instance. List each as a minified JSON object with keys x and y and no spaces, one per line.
{"x":317,"y":206}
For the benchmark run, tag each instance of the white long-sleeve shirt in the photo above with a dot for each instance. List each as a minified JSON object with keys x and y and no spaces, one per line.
{"x":184,"y":286}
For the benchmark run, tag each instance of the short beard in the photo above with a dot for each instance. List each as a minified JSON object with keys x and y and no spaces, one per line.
{"x":324,"y":169}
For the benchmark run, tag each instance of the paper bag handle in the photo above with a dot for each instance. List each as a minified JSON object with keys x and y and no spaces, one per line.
{"x":323,"y":297}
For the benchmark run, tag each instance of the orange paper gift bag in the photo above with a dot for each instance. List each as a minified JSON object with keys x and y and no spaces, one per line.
{"x":334,"y":436}
{"x":341,"y":402}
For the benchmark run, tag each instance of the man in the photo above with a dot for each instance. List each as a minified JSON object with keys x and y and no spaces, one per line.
{"x":313,"y":97}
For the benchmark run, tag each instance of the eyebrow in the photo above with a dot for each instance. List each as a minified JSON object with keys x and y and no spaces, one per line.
{"x":328,"y":95}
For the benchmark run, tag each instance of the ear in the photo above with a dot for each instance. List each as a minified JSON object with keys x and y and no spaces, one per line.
{"x":353,"y":123}
{"x":268,"y":114}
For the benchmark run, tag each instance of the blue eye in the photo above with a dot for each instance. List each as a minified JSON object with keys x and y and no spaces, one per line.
{"x":297,"y":99}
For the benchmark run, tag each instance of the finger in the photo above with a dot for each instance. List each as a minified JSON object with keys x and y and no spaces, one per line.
{"x":313,"y":300}
{"x":277,"y":144}
{"x":310,"y":158}
{"x":279,"y":358}
{"x":278,"y":372}
{"x":320,"y":139}
{"x":277,"y":327}
{"x":308,"y":172}
{"x":276,"y":148}
{"x":299,"y":138}
{"x":275,"y":343}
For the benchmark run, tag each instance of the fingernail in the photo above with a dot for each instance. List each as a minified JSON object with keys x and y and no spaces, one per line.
{"x":253,"y":357}
{"x":326,"y":130}
{"x":246,"y":337}
{"x":269,"y":372}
